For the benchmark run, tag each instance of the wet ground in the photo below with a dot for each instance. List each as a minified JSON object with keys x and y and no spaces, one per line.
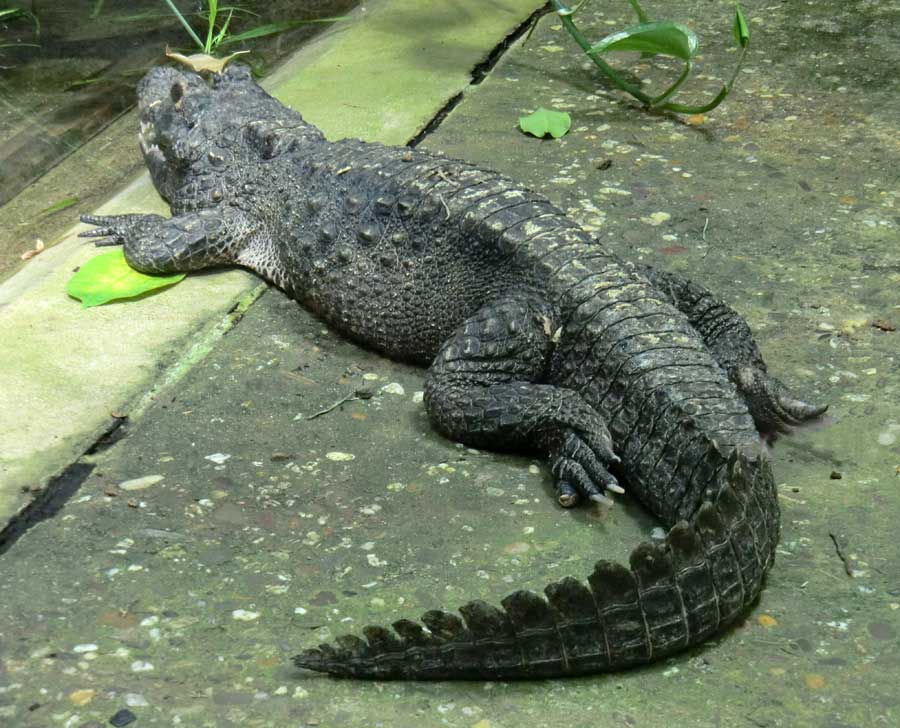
{"x":238,"y":521}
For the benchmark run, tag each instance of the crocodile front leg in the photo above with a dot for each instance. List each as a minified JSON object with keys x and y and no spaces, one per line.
{"x":195,"y":240}
{"x":729,"y":339}
{"x":485,"y":389}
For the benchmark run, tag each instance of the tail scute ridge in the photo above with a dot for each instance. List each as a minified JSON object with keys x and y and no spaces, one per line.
{"x":675,"y":593}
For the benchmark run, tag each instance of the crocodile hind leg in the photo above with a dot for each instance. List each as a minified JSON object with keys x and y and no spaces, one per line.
{"x":485,"y":389}
{"x":195,"y":240}
{"x":728,"y":337}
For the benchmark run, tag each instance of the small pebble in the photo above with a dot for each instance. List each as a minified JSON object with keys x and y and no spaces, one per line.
{"x":88,"y":647}
{"x":393,"y":388}
{"x":656,"y":218}
{"x":123,"y":717}
{"x":140,"y":483}
{"x":244,"y":615}
{"x":217,"y":457}
{"x":338,"y":456}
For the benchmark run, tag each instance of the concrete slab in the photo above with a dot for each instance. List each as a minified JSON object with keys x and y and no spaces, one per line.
{"x":180,"y":598}
{"x":68,"y":369}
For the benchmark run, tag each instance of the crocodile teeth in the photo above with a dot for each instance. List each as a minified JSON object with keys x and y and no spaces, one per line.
{"x":150,"y":150}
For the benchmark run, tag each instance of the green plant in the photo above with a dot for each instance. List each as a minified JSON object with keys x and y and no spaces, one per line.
{"x":652,"y":38}
{"x":217,"y":36}
{"x":9,"y":14}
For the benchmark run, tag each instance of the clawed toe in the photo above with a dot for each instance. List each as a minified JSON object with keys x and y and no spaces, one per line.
{"x":799,"y":410}
{"x":581,"y":474}
{"x":773,"y":408}
{"x":107,"y":230}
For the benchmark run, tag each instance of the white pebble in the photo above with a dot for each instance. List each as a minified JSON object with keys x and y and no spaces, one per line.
{"x":88,"y":647}
{"x":338,"y":456}
{"x":140,"y":483}
{"x":218,"y":457}
{"x":135,"y":700}
{"x":141,"y":666}
{"x":244,"y":615}
{"x":393,"y":388}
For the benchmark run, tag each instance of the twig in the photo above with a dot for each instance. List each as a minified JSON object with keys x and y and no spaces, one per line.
{"x":358,"y":394}
{"x":840,"y":553}
{"x":703,"y":236}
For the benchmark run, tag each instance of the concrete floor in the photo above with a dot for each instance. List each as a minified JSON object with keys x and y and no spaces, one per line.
{"x":254,"y":531}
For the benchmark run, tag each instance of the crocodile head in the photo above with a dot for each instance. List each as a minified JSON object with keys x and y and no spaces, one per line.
{"x":172,"y":107}
{"x":191,"y":129}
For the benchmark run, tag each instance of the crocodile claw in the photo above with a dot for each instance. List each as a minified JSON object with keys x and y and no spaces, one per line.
{"x":773,"y":408}
{"x":578,"y":464}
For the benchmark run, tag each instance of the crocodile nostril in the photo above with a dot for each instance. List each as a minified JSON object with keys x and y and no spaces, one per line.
{"x":177,"y":92}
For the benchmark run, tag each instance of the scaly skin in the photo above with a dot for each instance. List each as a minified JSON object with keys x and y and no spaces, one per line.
{"x":538,"y":339}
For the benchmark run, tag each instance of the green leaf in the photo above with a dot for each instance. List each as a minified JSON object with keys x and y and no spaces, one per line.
{"x":544,"y":121}
{"x":218,"y":39}
{"x":61,"y":205}
{"x":740,"y":29}
{"x":107,"y":277}
{"x":662,"y":37}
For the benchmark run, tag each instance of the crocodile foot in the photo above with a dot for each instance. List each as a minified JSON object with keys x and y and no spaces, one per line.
{"x":773,"y":408}
{"x":117,"y":229}
{"x":578,"y":462}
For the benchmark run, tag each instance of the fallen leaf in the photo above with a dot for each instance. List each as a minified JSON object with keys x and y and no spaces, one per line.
{"x":82,"y":697}
{"x":108,"y":277}
{"x":544,"y":121}
{"x":813,"y":681}
{"x":199,"y":62}
{"x":37,"y":250}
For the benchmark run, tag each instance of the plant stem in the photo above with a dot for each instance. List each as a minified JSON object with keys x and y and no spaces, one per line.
{"x":669,"y":92}
{"x":187,"y":26}
{"x":566,"y":19}
{"x":720,"y":97}
{"x":211,"y":24}
{"x":642,"y":16}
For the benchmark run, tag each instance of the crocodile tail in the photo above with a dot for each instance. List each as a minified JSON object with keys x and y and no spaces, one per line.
{"x":674,"y":594}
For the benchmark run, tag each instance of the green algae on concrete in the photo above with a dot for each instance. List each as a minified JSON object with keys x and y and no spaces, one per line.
{"x":70,"y":369}
{"x":406,"y":61}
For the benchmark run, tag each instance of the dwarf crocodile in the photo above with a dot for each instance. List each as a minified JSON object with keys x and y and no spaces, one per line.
{"x":537,"y":339}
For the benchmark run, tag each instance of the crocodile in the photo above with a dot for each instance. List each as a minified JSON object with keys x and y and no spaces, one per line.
{"x":537,"y":338}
